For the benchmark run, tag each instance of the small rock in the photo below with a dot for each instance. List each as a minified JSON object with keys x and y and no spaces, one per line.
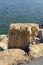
{"x":3,"y":38}
{"x":35,"y":51}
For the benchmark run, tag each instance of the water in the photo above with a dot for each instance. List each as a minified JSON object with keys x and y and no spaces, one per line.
{"x":20,"y":11}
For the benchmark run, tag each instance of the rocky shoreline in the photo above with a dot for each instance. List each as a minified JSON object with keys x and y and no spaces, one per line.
{"x":14,"y":46}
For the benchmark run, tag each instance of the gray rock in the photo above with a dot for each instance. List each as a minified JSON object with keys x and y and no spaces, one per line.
{"x":38,"y":61}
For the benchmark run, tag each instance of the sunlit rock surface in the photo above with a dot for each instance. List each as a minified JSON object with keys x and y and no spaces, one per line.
{"x":3,"y":45}
{"x":3,"y":42}
{"x":41,"y":47}
{"x":19,"y":34}
{"x":12,"y":56}
{"x":3,"y":38}
{"x":36,"y":50}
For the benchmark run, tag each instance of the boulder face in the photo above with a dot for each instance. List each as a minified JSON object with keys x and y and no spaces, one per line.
{"x":13,"y":56}
{"x":36,"y":50}
{"x":19,"y":35}
{"x":41,"y":47}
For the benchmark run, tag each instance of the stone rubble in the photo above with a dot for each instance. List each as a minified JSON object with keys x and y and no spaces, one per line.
{"x":21,"y":38}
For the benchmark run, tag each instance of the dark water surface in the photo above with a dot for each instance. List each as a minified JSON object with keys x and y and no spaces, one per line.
{"x":20,"y":11}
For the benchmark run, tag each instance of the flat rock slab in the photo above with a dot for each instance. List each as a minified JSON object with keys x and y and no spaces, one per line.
{"x":13,"y":56}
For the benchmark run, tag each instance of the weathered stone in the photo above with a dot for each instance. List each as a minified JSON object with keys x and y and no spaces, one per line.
{"x":3,"y":38}
{"x":3,"y":45}
{"x":40,"y":35}
{"x":41,"y":46}
{"x":35,"y":51}
{"x":13,"y":56}
{"x":19,"y":34}
{"x":34,"y":33}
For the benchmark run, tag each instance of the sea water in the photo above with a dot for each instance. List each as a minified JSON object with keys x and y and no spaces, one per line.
{"x":16,"y":11}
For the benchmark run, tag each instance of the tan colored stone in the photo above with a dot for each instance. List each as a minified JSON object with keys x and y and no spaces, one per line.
{"x":41,"y":46}
{"x":12,"y":56}
{"x":3,"y":38}
{"x":19,"y":34}
{"x":4,"y":45}
{"x":35,"y":51}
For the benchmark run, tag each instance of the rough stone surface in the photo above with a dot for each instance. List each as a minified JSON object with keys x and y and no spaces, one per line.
{"x":3,"y":38}
{"x":13,"y":56}
{"x":19,"y":34}
{"x":36,"y":50}
{"x":3,"y":45}
{"x":41,"y":47}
